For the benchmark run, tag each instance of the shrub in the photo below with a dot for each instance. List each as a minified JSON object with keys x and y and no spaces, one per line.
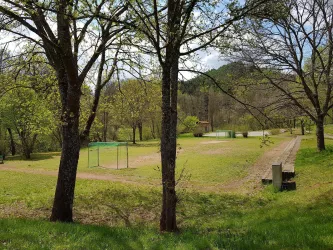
{"x":275,"y":131}
{"x":190,"y":124}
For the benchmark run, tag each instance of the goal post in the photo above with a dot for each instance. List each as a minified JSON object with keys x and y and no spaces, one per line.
{"x":113,"y":155}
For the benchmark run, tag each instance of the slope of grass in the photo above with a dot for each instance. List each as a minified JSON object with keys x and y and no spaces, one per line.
{"x":125,"y":216}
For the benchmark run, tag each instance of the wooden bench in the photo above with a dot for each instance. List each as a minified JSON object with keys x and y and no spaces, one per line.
{"x":1,"y":159}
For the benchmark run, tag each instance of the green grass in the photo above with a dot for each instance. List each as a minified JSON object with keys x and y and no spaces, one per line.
{"x":203,"y":163}
{"x":328,"y":129}
{"x":125,"y":216}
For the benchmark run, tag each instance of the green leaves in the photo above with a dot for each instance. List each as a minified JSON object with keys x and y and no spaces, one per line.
{"x":135,"y":102}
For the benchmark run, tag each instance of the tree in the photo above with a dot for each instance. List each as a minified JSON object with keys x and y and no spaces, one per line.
{"x":175,"y":29}
{"x":102,"y":80}
{"x":236,"y":89}
{"x":190,"y":123}
{"x":293,"y":50}
{"x":26,"y":114}
{"x":72,"y":36}
{"x":134,"y":103}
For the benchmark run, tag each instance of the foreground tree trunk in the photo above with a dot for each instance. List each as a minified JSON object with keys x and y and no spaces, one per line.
{"x":320,"y":134}
{"x":64,"y":194}
{"x":168,"y":220}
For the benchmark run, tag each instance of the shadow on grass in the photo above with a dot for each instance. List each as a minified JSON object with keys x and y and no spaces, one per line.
{"x":144,"y":145}
{"x":207,"y":221}
{"x":291,"y":230}
{"x":34,"y":157}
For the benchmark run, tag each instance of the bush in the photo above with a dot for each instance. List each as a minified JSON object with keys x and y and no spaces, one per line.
{"x":190,"y":124}
{"x":275,"y":131}
{"x":125,"y":134}
{"x":146,"y":133}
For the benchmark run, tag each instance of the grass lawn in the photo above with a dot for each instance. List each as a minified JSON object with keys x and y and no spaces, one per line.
{"x":328,"y":129}
{"x":202,"y":161}
{"x":113,"y":215}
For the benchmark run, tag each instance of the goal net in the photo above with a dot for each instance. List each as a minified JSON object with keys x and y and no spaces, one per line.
{"x":113,"y":155}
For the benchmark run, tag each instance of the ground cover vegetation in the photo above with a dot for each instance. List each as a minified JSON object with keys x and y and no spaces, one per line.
{"x":130,"y":213}
{"x":74,"y":72}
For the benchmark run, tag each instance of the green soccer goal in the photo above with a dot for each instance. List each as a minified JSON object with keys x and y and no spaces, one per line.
{"x":112,"y":155}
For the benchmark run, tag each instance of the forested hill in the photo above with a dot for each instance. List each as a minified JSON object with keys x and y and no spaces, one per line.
{"x":224,"y":75}
{"x":201,"y":97}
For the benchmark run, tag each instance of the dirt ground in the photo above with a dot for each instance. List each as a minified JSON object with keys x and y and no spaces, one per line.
{"x":213,"y":142}
{"x":252,"y":182}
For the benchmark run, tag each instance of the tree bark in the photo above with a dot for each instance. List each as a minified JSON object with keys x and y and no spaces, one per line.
{"x":168,"y":220}
{"x":140,"y":131}
{"x":302,"y":127}
{"x":320,"y":134}
{"x":133,"y":131}
{"x":12,"y":143}
{"x":64,"y":194}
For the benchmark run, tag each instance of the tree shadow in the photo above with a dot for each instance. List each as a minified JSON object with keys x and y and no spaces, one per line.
{"x":34,"y":157}
{"x":145,"y":145}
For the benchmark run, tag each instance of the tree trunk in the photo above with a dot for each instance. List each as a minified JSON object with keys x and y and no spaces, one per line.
{"x":64,"y":195}
{"x":27,"y":153}
{"x":153,"y":129}
{"x":212,"y":123}
{"x":206,"y":106}
{"x":320,"y":134}
{"x":140,"y":131}
{"x":133,"y":130}
{"x":27,"y":147}
{"x":302,"y":127}
{"x":84,"y":137}
{"x":12,"y":143}
{"x":168,"y":147}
